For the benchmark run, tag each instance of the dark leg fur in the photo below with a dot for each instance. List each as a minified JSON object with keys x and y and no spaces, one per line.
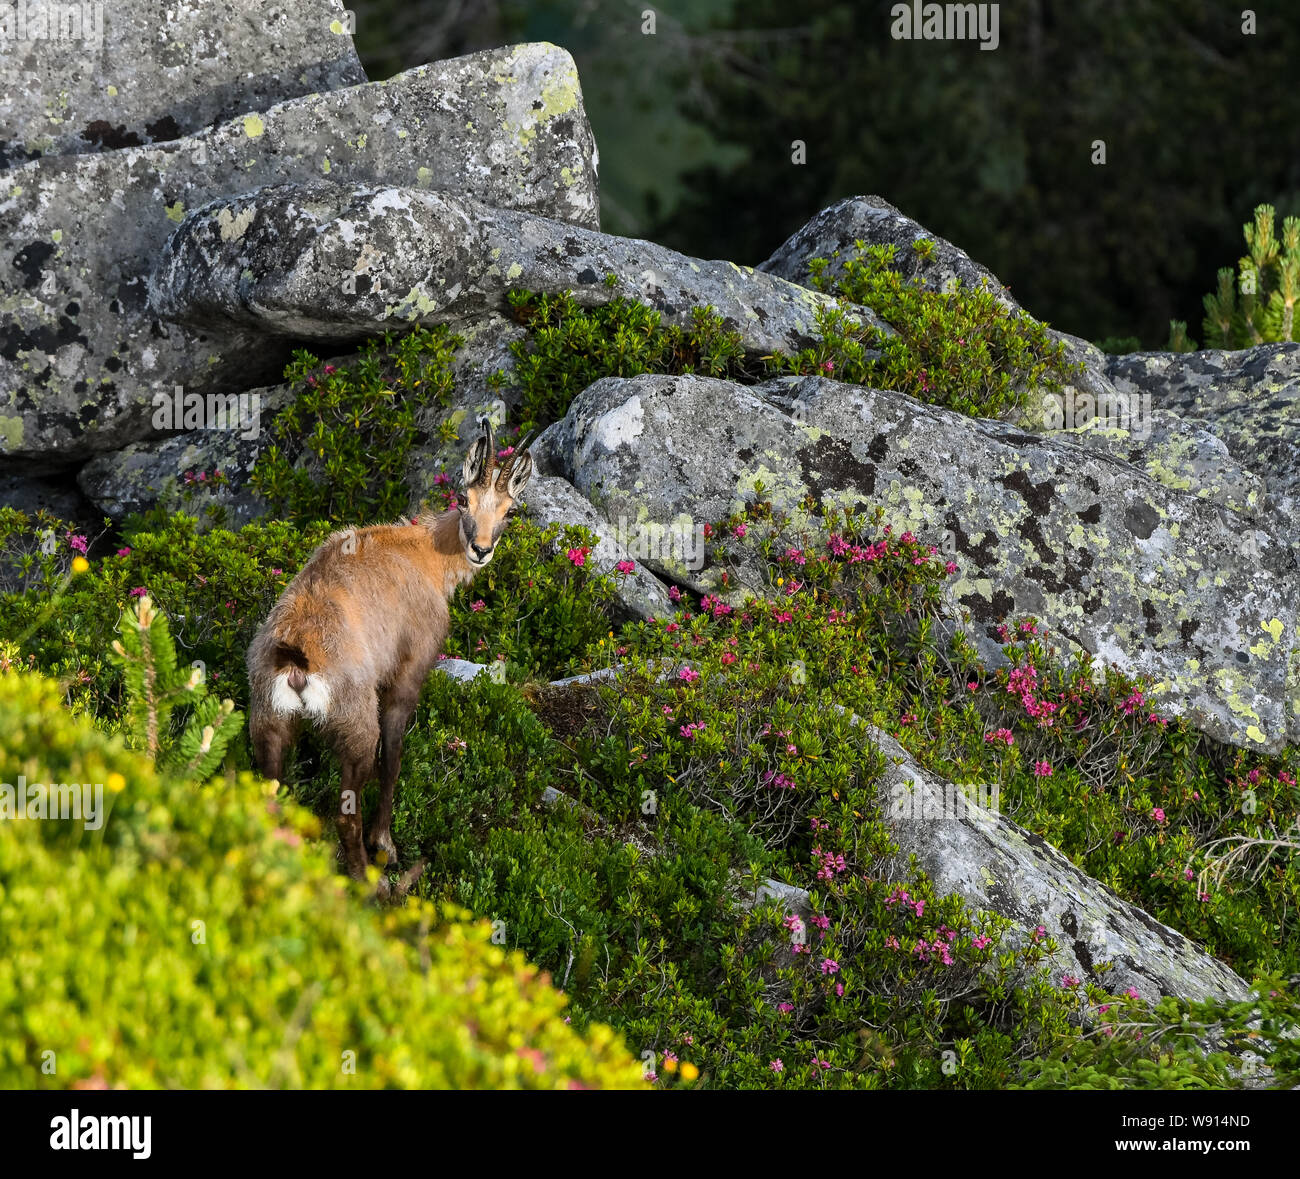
{"x":355,"y":775}
{"x":397,"y":706}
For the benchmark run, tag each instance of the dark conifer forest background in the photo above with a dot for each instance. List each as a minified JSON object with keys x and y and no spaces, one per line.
{"x":992,"y":150}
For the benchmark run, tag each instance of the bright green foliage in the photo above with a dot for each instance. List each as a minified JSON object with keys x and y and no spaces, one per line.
{"x":568,"y":347}
{"x":155,"y":686}
{"x":1261,"y":307}
{"x":960,"y":348}
{"x":211,"y":943}
{"x":216,"y":586}
{"x":339,"y":450}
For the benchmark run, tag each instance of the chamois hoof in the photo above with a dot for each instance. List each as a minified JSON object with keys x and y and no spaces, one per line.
{"x":384,"y":852}
{"x":396,"y":890}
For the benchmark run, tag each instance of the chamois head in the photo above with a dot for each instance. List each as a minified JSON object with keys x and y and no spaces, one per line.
{"x":490,"y":490}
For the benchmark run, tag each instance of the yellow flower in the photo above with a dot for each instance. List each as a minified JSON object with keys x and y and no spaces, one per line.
{"x":80,"y":564}
{"x":116,"y":783}
{"x":689,"y":1071}
{"x":780,"y":581}
{"x":670,"y":1065}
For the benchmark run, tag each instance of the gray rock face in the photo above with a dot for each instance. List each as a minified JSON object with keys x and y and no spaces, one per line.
{"x":1181,"y":453}
{"x":1250,"y":399}
{"x":81,"y":355}
{"x":177,"y":473}
{"x":124,"y":73}
{"x":329,"y":261}
{"x":1152,"y":579}
{"x":995,"y":865}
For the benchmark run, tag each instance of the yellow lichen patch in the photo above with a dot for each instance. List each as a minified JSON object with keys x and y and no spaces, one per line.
{"x":175,"y":212}
{"x":559,"y":95}
{"x":253,"y":125}
{"x":11,"y":433}
{"x":415,"y":302}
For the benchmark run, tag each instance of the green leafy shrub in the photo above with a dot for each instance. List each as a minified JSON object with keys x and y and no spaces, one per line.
{"x":213,"y":945}
{"x":216,"y":587}
{"x":339,"y":449}
{"x":1257,"y":305}
{"x":960,"y":348}
{"x":568,"y":347}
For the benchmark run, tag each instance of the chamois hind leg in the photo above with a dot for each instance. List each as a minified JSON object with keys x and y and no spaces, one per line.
{"x":355,"y":744}
{"x":272,"y":737}
{"x":396,"y":707}
{"x":356,"y":773}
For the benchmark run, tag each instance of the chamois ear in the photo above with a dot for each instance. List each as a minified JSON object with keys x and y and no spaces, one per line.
{"x":518,"y":468}
{"x":520,"y":473}
{"x":478,"y":461}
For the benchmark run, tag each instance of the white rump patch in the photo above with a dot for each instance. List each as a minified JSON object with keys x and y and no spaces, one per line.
{"x":316,"y":696}
{"x":313,"y":701}
{"x":284,"y":699}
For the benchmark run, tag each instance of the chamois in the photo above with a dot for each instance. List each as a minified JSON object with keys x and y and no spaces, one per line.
{"x":352,"y":638}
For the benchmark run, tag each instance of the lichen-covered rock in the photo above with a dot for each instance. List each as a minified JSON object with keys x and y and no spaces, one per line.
{"x":995,"y":865}
{"x":328,"y":261}
{"x":640,"y":594}
{"x":1145,"y":576}
{"x":1182,"y":453}
{"x":1249,"y":398}
{"x":81,"y":355}
{"x":876,"y":222}
{"x":90,"y":77}
{"x":194,"y":471}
